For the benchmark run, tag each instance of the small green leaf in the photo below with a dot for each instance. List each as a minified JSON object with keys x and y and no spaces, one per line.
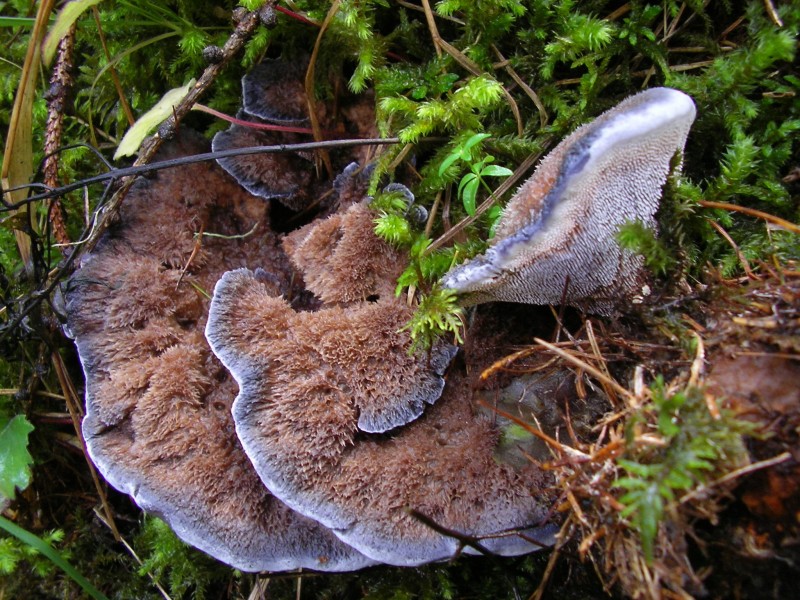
{"x":466,"y":149}
{"x":15,"y":460}
{"x":464,"y":181}
{"x":470,"y":194}
{"x":496,"y":171}
{"x":447,"y":162}
{"x":678,"y":480}
{"x":150,"y":120}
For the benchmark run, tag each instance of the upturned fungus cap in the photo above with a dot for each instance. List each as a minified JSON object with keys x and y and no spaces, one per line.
{"x":278,"y":176}
{"x":273,"y":90}
{"x":556,"y":239}
{"x":158,"y":423}
{"x":316,"y":391}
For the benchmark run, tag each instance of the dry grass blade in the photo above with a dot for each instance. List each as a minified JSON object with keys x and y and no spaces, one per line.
{"x":592,"y":370}
{"x":740,"y":472}
{"x":552,"y":442}
{"x":135,"y":556}
{"x":788,"y":225}
{"x":18,"y":157}
{"x":552,"y":561}
{"x":610,"y":392}
{"x":309,"y":85}
{"x":543,"y":118}
{"x":123,"y":101}
{"x":76,"y":413}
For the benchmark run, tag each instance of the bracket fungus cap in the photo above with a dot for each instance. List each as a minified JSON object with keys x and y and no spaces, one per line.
{"x":273,"y":90}
{"x":556,"y":238}
{"x":158,"y":423}
{"x":341,"y":258}
{"x":298,"y":420}
{"x":279,"y":176}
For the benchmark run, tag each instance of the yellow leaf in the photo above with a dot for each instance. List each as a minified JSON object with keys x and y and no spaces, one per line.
{"x":150,"y":120}
{"x":68,"y":15}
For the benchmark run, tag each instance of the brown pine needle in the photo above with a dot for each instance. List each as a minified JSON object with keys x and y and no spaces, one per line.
{"x":75,"y":411}
{"x":788,"y":225}
{"x":550,"y":441}
{"x":593,"y":371}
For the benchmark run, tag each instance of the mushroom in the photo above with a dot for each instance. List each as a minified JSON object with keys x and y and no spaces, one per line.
{"x":158,"y":423}
{"x":274,"y":94}
{"x":330,"y":412}
{"x":555,"y":241}
{"x":273,"y":90}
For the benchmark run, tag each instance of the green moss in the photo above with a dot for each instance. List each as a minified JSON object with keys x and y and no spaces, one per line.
{"x":177,"y":566}
{"x":693,"y":447}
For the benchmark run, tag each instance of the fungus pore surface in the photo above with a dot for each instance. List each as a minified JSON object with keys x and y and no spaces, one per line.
{"x":556,"y":240}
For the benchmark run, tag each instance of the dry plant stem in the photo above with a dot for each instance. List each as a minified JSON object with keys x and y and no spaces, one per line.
{"x":243,"y":31}
{"x":486,"y":204}
{"x":773,"y":14}
{"x":135,"y":556}
{"x":551,"y":442}
{"x":309,"y":85}
{"x":432,"y":216}
{"x":197,"y":244}
{"x":525,"y":87}
{"x":503,"y":363}
{"x":141,"y":169}
{"x":610,"y":392}
{"x":75,"y":412}
{"x":788,"y":225}
{"x":17,"y":165}
{"x":418,"y":8}
{"x":259,"y":591}
{"x":60,"y":86}
{"x":745,"y":265}
{"x":746,"y":470}
{"x":551,"y":562}
{"x":254,"y":125}
{"x":622,"y":10}
{"x":426,"y":7}
{"x":126,"y":107}
{"x":464,"y":540}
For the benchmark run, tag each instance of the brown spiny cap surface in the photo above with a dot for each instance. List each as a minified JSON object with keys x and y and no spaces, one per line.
{"x":305,"y":381}
{"x":342,"y":260}
{"x":557,"y":236}
{"x":158,"y":422}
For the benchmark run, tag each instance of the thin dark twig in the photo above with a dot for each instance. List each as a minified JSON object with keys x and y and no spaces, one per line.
{"x":463,"y":539}
{"x":187,"y":160}
{"x":98,"y":154}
